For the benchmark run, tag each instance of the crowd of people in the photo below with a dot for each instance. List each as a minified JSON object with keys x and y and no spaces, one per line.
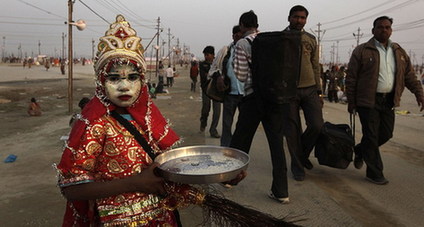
{"x":104,"y":171}
{"x":371,"y":89}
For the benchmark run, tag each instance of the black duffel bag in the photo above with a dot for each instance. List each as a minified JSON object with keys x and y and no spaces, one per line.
{"x":334,"y":146}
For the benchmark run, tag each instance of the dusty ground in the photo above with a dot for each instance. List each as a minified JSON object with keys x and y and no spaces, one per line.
{"x":28,"y":195}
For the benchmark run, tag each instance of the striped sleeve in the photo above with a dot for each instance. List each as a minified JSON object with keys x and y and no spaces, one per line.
{"x":241,"y":64}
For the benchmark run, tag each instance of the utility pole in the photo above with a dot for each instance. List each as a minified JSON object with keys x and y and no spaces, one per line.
{"x":357,"y":36}
{"x":157,"y":49}
{"x":332,"y":53}
{"x":337,"y":53}
{"x":4,"y":47}
{"x":92,"y":49}
{"x":70,"y":56}
{"x":39,"y":49}
{"x":169,"y":46}
{"x":319,"y":38}
{"x":63,"y":46}
{"x":178,"y":52}
{"x":163,"y":48}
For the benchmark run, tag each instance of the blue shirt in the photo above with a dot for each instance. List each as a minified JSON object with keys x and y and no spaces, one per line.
{"x":237,"y":87}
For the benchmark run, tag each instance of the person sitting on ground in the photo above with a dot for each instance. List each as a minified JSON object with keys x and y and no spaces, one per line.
{"x":34,"y":108}
{"x":159,"y":88}
{"x":152,"y":90}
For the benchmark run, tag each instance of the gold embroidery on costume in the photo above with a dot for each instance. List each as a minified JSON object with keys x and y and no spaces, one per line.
{"x":93,"y":147}
{"x":114,"y":167}
{"x":136,"y":169}
{"x":110,"y":130}
{"x":97,"y":131}
{"x":119,"y":199}
{"x":110,"y":148}
{"x":132,"y":153}
{"x":89,"y":164}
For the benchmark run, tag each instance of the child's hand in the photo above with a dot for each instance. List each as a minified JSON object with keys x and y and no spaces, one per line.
{"x":148,"y":182}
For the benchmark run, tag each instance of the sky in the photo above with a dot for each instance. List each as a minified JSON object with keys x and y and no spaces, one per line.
{"x":30,"y":27}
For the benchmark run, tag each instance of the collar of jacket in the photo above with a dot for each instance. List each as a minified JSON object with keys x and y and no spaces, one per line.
{"x":371,"y":44}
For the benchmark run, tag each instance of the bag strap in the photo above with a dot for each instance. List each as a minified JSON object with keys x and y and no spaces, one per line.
{"x":352,"y":125}
{"x":133,"y":130}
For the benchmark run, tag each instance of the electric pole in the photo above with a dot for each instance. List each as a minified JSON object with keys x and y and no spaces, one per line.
{"x":157,"y":48}
{"x":319,"y":38}
{"x":357,"y":36}
{"x":39,"y":47}
{"x":169,"y":46}
{"x":70,"y":57}
{"x":92,"y":49}
{"x":332,"y":53}
{"x":63,"y":46}
{"x":4,"y":47}
{"x":337,"y":53}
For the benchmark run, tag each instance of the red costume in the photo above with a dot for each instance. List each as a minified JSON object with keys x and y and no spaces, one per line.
{"x":100,"y":149}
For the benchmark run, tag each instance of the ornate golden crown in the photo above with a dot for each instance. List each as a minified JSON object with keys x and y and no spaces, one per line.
{"x":120,"y":41}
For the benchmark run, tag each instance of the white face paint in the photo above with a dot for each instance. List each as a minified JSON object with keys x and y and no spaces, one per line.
{"x":123,"y":85}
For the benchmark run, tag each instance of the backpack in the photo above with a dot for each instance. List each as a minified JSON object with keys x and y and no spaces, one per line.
{"x":275,"y":66}
{"x":335,"y":145}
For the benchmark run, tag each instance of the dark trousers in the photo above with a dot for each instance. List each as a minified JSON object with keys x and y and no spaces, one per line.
{"x":332,"y":96}
{"x":206,"y":107}
{"x":252,"y":112}
{"x":170,"y":81}
{"x":230,"y":105}
{"x":300,"y":144}
{"x":377,"y":129}
{"x":193,"y":84}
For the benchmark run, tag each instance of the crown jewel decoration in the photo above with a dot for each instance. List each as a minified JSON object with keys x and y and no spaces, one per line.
{"x":120,"y":41}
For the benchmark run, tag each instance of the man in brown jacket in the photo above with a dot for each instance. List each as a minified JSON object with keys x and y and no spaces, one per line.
{"x":300,"y":143}
{"x":378,"y":72}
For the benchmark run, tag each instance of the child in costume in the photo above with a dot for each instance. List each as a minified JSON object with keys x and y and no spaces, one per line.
{"x":104,"y":173}
{"x":107,"y":175}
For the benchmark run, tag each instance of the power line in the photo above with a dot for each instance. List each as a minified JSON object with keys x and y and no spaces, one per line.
{"x":94,"y":11}
{"x":398,"y":6}
{"x":361,"y":12}
{"x":36,"y":7}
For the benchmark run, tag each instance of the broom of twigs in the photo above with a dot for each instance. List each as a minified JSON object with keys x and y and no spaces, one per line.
{"x":224,"y":212}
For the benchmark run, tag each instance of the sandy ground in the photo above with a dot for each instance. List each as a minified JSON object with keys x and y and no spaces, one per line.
{"x":329,"y":197}
{"x":28,"y":192}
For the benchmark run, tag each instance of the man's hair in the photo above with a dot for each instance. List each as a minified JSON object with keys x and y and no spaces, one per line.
{"x":236,"y":29}
{"x":249,"y":19}
{"x":298,"y":8}
{"x":382,"y":18}
{"x":209,"y":50}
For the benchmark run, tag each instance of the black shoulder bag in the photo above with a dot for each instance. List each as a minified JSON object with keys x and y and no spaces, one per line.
{"x":142,"y":141}
{"x":133,"y":130}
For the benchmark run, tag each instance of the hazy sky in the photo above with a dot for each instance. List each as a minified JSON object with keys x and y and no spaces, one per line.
{"x":197,"y":23}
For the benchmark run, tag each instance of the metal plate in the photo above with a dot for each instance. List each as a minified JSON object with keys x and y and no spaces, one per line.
{"x":201,"y":164}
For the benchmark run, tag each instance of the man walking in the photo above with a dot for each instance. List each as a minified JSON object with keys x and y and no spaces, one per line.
{"x":251,"y":114}
{"x":233,"y":98}
{"x":300,"y":144}
{"x":378,"y":72}
{"x":204,"y":66}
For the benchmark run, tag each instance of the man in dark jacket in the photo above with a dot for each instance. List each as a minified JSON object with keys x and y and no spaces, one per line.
{"x":378,"y":72}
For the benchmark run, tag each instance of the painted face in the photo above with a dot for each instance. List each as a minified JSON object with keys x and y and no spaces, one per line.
{"x":297,"y":20}
{"x":123,"y":85}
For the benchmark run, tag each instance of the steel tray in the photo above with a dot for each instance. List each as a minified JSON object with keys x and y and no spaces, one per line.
{"x":201,"y":164}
